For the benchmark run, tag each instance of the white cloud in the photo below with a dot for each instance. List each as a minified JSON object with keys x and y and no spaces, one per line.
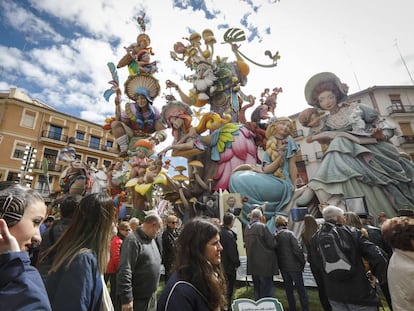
{"x":25,"y":21}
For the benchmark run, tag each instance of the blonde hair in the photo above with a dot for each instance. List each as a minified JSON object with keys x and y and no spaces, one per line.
{"x":273,"y":144}
{"x":353,"y":220}
{"x":281,"y":221}
{"x":212,"y":121}
{"x":123,"y":225}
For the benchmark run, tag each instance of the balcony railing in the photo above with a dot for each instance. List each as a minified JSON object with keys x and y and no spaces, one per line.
{"x":302,"y":157}
{"x":401,"y":109}
{"x":297,"y":133}
{"x":52,"y":167}
{"x":89,"y":144}
{"x":406,"y":139}
{"x":55,"y":136}
{"x":319,"y":155}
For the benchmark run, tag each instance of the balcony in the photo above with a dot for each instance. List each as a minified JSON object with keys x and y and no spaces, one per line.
{"x":88,"y":145}
{"x":319,"y":155}
{"x":52,"y":167}
{"x":400,"y":109}
{"x":297,"y":133}
{"x":406,"y":139}
{"x":51,"y":136}
{"x":302,"y":157}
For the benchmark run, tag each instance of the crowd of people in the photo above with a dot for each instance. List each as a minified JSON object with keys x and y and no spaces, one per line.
{"x":90,"y":260}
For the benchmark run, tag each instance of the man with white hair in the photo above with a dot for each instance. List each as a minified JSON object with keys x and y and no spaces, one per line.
{"x":333,"y":214}
{"x":261,"y":255}
{"x":336,"y":252}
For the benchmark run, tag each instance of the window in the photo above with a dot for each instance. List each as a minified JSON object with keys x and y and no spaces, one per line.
{"x":19,"y":149}
{"x":107,"y":163}
{"x":95,"y":142}
{"x":91,"y":160}
{"x":13,"y":176}
{"x":51,"y":156}
{"x":109,"y":143}
{"x":80,"y":135}
{"x":43,"y":185}
{"x":55,"y":132}
{"x":396,"y":103}
{"x":406,"y":129}
{"x":28,"y":119}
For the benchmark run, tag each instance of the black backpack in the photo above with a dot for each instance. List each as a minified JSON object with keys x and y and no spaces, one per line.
{"x":335,"y":251}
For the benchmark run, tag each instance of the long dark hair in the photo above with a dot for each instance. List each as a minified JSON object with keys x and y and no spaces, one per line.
{"x":192,"y":266}
{"x":90,"y":230}
{"x":310,"y":227}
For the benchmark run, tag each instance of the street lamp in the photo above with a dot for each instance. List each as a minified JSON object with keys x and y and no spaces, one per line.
{"x":27,"y":165}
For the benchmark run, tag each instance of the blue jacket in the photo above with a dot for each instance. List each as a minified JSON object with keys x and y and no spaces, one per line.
{"x":79,"y":287}
{"x":21,"y":287}
{"x":180,"y":295}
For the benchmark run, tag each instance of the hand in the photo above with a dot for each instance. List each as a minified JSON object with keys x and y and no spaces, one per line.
{"x":192,"y":132}
{"x":7,"y":241}
{"x":128,"y":307}
{"x":372,"y":279}
{"x":170,"y":84}
{"x":117,"y":100}
{"x":378,"y":134}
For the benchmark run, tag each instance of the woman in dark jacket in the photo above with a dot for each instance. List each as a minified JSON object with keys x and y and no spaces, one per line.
{"x":198,"y":282}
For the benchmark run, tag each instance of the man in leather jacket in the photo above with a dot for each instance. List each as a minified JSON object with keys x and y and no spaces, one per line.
{"x":355,"y":292}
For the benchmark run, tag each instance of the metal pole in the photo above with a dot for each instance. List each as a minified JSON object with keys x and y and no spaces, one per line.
{"x":403,"y":61}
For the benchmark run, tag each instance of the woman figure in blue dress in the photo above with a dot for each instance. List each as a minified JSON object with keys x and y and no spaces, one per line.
{"x":273,"y":185}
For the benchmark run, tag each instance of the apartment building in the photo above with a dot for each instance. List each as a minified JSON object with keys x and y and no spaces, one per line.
{"x":32,"y":135}
{"x":394,"y":103}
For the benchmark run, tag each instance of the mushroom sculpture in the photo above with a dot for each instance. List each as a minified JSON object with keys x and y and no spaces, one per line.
{"x":195,"y":166}
{"x":181,"y":178}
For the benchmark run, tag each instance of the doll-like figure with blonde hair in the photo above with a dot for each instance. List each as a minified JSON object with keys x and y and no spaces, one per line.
{"x":274,"y":183}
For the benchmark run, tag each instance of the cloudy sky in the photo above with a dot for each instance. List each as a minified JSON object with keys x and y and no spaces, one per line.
{"x":57,"y":51}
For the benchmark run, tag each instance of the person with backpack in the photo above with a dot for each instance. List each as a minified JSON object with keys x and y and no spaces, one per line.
{"x":336,"y":252}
